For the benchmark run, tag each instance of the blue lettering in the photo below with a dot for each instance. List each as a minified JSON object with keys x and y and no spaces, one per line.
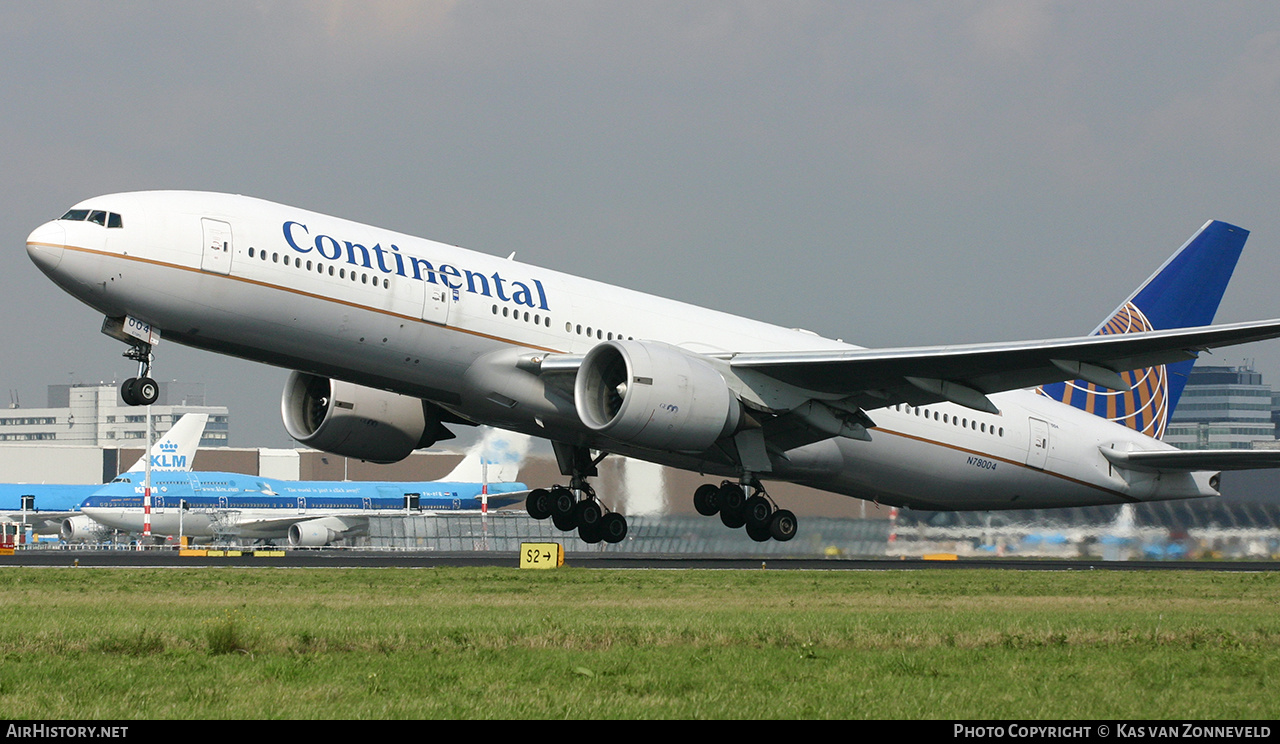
{"x":382,"y":265}
{"x":447,"y":271}
{"x":523,"y":291}
{"x":474,"y":282}
{"x":288,"y":236}
{"x":399,"y":259}
{"x":364,"y":255}
{"x":337,"y":249}
{"x":497,"y":283}
{"x":471,"y":283}
{"x":431,"y":272}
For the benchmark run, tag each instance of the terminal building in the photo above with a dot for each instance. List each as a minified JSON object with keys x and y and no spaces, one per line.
{"x":1222,"y":408}
{"x":96,"y":416}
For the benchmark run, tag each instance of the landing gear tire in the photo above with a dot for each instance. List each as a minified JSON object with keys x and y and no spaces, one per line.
{"x":586,"y":513}
{"x":590,"y":534}
{"x":539,"y":503}
{"x":733,"y":501}
{"x":147,"y":391}
{"x":128,"y":391}
{"x":783,"y":525}
{"x":759,"y":532}
{"x":563,"y":522}
{"x":732,"y":520}
{"x":758,"y":511}
{"x":706,"y":500}
{"x":614,"y":527}
{"x":732,"y":497}
{"x":139,"y":391}
{"x":562,"y":501}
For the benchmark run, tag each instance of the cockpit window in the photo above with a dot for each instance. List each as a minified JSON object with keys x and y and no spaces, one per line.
{"x":97,"y":216}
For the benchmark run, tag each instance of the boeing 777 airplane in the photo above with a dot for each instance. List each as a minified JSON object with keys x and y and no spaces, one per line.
{"x":49,"y":505}
{"x":305,"y":513}
{"x":394,"y":338}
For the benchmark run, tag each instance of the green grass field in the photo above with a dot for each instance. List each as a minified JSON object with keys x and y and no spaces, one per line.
{"x":81,"y":643}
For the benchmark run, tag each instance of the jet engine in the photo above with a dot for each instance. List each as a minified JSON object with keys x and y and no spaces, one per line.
{"x":80,"y":529}
{"x":356,"y":421}
{"x":316,"y":533}
{"x":654,"y":395}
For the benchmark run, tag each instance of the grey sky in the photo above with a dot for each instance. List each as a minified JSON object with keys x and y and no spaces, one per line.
{"x":887,"y":173}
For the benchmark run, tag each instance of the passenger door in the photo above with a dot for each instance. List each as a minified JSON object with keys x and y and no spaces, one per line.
{"x":218,"y":249}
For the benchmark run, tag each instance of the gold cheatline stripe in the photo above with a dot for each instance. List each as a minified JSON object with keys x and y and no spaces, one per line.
{"x":301,"y":293}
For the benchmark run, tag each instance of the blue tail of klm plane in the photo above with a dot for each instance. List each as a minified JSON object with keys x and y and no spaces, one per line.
{"x":1182,"y":293}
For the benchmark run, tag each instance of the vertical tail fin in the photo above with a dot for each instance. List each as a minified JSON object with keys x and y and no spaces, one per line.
{"x":1183,"y":293}
{"x":177,"y":448}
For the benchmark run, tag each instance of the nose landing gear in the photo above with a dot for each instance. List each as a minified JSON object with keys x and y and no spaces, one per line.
{"x":140,"y":390}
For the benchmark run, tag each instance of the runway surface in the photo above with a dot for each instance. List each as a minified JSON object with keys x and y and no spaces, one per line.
{"x":406,"y":559}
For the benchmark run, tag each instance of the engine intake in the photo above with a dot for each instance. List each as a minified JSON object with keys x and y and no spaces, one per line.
{"x":357,"y":421}
{"x":654,"y":395}
{"x":316,"y":533}
{"x":81,"y":529}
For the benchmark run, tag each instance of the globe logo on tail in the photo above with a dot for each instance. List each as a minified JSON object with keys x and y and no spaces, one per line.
{"x":1144,"y":407}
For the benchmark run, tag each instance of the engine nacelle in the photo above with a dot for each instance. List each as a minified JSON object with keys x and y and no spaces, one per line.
{"x":81,"y":529}
{"x":654,"y":395}
{"x":357,"y":421}
{"x":316,"y":533}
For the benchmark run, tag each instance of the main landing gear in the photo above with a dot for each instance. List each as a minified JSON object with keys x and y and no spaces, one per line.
{"x":140,"y":390}
{"x":576,"y":506}
{"x":758,"y":514}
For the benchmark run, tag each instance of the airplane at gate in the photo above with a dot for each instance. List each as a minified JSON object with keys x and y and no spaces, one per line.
{"x":49,"y":505}
{"x":393,"y":339}
{"x":305,"y":513}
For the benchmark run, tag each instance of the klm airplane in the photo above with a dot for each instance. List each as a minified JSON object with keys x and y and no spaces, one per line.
{"x":48,"y":505}
{"x":305,"y":513}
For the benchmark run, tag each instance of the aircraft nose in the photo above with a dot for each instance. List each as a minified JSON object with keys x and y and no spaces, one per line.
{"x":45,"y":245}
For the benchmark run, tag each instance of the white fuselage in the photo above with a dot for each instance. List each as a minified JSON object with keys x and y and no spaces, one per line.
{"x":315,"y":293}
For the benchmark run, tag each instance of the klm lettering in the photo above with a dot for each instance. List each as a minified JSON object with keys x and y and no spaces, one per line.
{"x":169,"y":462}
{"x":329,"y":248}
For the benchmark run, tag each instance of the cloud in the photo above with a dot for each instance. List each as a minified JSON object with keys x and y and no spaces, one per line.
{"x":1010,"y":30}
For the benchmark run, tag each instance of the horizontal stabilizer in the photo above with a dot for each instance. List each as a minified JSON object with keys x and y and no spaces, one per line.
{"x":1182,"y":461}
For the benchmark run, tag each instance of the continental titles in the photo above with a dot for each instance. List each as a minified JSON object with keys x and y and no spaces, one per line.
{"x":391,"y":261}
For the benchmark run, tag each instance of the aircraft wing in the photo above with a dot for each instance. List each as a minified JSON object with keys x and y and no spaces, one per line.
{"x":39,"y":520}
{"x":1180,"y":461}
{"x":875,"y":378}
